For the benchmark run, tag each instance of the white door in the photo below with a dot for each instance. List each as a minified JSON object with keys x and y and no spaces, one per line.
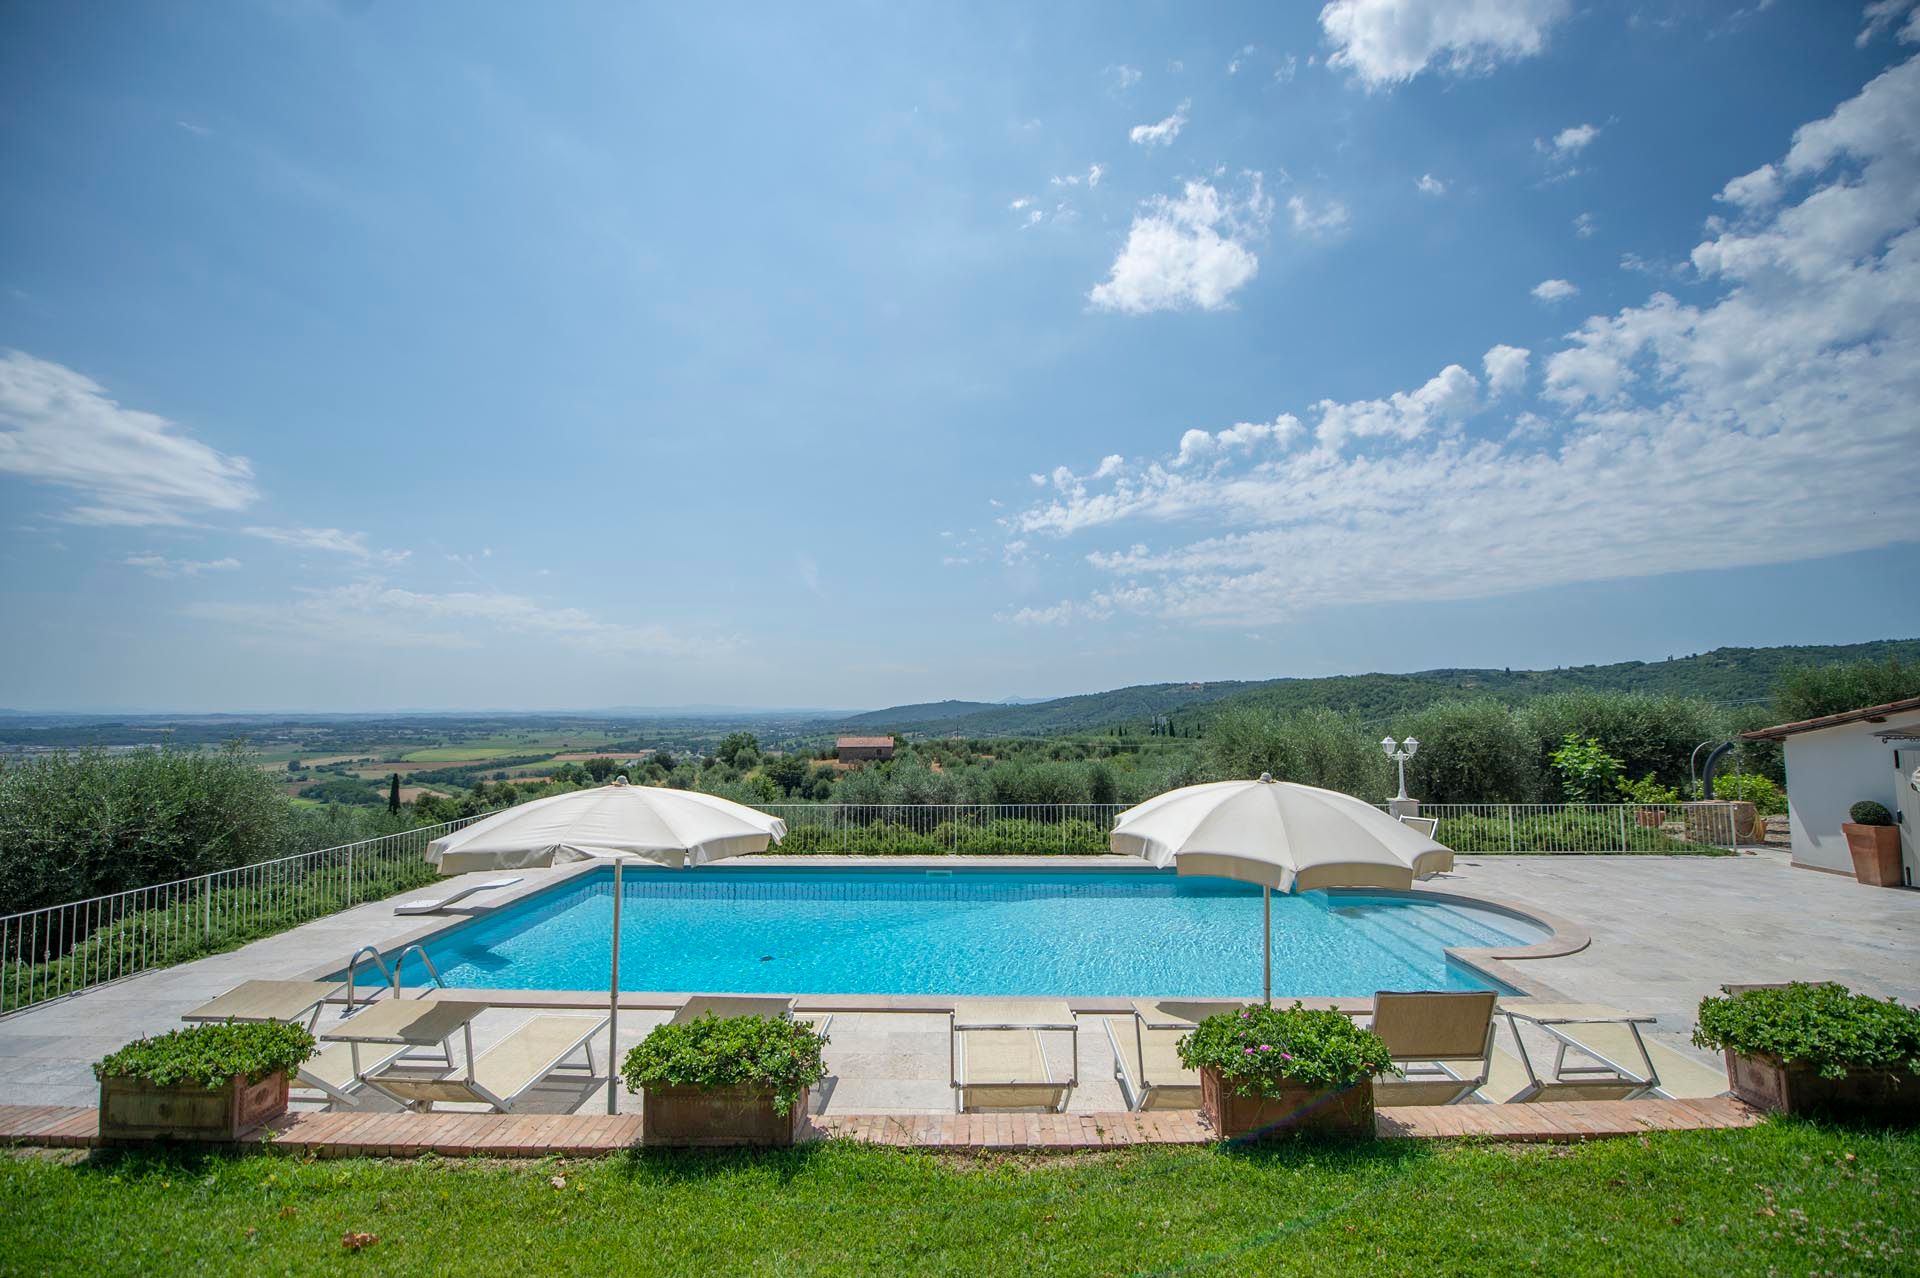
{"x":1906,"y":784}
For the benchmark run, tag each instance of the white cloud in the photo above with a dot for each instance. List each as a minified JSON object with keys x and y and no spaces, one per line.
{"x":1021,"y":203}
{"x":1094,"y":173}
{"x":1554,"y":290}
{"x":1506,"y":369}
{"x":1233,"y":66}
{"x":332,"y":541}
{"x":160,"y":566}
{"x":1388,"y":42}
{"x":1284,"y":73}
{"x":127,"y":467}
{"x":1329,"y":219}
{"x":1656,"y":424}
{"x":372,"y":612}
{"x":1428,"y":184}
{"x":1569,"y":141}
{"x":1877,"y":18}
{"x":1123,"y":76}
{"x":1584,"y":226}
{"x":1163,"y":133}
{"x":1187,"y":252}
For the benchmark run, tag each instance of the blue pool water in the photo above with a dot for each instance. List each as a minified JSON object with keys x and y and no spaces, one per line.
{"x":1063,"y":933}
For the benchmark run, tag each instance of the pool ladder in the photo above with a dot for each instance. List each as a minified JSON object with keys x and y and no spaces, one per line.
{"x":391,"y":974}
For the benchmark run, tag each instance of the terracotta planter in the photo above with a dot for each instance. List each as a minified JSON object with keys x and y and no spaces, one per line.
{"x":1235,"y":1117}
{"x":717,"y":1116}
{"x":1651,"y":818}
{"x":1876,"y":853}
{"x":134,"y":1109}
{"x":1765,"y":1083}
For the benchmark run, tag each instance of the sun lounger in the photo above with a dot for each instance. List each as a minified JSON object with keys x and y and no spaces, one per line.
{"x":1442,"y":1040}
{"x":1610,"y":1057}
{"x":445,"y":902}
{"x":499,"y":1076}
{"x":293,"y":1001}
{"x":331,"y":1071}
{"x":1426,"y":825}
{"x":1146,"y":1050}
{"x":996,"y":1058}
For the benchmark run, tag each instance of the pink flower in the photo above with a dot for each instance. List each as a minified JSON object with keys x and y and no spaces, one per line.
{"x":1266,"y":1047}
{"x":1286,"y":1056}
{"x":1248,"y":1051}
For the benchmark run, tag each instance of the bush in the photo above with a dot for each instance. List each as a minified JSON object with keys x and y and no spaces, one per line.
{"x":1313,"y":747}
{"x":1867,"y":812}
{"x":1647,"y":734}
{"x":86,"y":824}
{"x":210,"y":1055}
{"x":1813,"y":691}
{"x":1649,"y":791}
{"x":1825,"y":1026}
{"x":733,"y":1051}
{"x":1588,"y":774}
{"x":1470,"y":752}
{"x":1767,"y":798}
{"x":1259,"y":1051}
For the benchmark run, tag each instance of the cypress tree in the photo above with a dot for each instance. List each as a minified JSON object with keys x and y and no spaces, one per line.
{"x":393,"y":794}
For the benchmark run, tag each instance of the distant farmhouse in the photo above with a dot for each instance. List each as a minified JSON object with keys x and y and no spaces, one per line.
{"x":863,"y":749}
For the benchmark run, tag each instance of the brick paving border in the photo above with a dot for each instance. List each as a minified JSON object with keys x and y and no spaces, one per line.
{"x":404,"y":1135}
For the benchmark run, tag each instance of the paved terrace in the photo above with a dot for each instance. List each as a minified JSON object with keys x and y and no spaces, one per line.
{"x":1664,"y":931}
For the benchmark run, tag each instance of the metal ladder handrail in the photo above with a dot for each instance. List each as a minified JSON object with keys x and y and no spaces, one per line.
{"x":353,"y":965}
{"x":401,"y":961}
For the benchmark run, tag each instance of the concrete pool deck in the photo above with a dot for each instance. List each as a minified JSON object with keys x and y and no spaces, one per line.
{"x":1662,"y":932}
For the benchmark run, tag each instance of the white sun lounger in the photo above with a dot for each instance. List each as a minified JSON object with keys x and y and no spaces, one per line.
{"x":330,"y":1071}
{"x":996,"y":1058}
{"x":1610,"y":1058}
{"x":725,"y":1005}
{"x":445,"y":902}
{"x":1442,"y":1040}
{"x":1146,"y":1050}
{"x":499,"y":1076}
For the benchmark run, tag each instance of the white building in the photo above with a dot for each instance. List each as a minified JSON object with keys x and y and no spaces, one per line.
{"x":1837,"y":760}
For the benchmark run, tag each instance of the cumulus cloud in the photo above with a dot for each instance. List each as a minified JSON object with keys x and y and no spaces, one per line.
{"x":1123,"y":76}
{"x":125,"y":466}
{"x":1654,"y":425}
{"x":1190,"y":251}
{"x":1554,"y":290}
{"x":1239,"y":59}
{"x":1569,"y":141}
{"x":1584,"y":225}
{"x":1506,"y":369}
{"x":160,"y":566}
{"x":1163,"y":133}
{"x":1428,"y":184}
{"x":1878,"y":18}
{"x":1389,"y":42}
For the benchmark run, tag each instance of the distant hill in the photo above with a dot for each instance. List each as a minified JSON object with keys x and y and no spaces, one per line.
{"x":1727,"y":676}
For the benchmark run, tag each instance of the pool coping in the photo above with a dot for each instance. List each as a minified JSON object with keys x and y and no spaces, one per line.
{"x":1496,"y":962}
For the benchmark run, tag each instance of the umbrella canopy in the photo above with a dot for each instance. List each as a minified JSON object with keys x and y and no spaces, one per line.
{"x":1281,"y":835}
{"x":674,"y":828}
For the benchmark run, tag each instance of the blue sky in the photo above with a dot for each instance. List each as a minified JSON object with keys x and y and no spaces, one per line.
{"x":364,"y":356}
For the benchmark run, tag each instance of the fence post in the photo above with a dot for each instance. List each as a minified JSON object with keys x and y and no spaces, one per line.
{"x":1624,"y":846}
{"x":1513,"y":839}
{"x":349,"y":874}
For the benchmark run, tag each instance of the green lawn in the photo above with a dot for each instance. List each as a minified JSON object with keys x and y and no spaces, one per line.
{"x":1786,"y":1197}
{"x":457,"y":754}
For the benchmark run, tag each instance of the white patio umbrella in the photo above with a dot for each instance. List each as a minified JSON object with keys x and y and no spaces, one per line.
{"x":1281,"y":835}
{"x":617,"y":822}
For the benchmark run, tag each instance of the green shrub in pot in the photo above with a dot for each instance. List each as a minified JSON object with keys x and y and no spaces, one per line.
{"x":1824,"y":1028}
{"x":763,"y":1052}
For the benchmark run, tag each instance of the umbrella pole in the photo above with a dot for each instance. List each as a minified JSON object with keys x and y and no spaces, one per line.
{"x":1266,"y":941}
{"x":613,"y":1000}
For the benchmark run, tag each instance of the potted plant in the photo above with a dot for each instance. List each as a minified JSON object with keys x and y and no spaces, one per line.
{"x":206,"y":1082}
{"x":1791,"y":1048}
{"x":1656,"y":798}
{"x":1874,"y":841}
{"x":736,"y":1080}
{"x":1266,"y":1070}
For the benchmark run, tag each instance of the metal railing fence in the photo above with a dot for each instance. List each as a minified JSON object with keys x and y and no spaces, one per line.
{"x":1586,"y":827}
{"x":954,"y":829}
{"x":62,"y":949}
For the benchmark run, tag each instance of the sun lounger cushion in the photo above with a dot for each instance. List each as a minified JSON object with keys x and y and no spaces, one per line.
{"x":1159,"y":1081}
{"x":502,"y":1072}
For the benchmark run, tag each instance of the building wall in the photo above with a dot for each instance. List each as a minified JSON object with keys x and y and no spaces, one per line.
{"x":1831,"y":770}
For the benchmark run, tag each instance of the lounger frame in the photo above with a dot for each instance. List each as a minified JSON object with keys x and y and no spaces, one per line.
{"x":955,"y":1051}
{"x":1603,"y":1072}
{"x":467,"y":1082}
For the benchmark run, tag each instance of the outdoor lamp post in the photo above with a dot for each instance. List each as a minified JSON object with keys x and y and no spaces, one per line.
{"x":1400,"y":752}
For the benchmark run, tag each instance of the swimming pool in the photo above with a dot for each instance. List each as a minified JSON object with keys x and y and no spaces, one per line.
{"x":967,"y":932}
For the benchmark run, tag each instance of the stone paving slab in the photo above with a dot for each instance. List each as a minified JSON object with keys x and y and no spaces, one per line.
{"x":406,"y":1135}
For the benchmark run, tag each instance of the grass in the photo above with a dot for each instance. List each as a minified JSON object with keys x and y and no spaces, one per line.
{"x":1786,"y":1197}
